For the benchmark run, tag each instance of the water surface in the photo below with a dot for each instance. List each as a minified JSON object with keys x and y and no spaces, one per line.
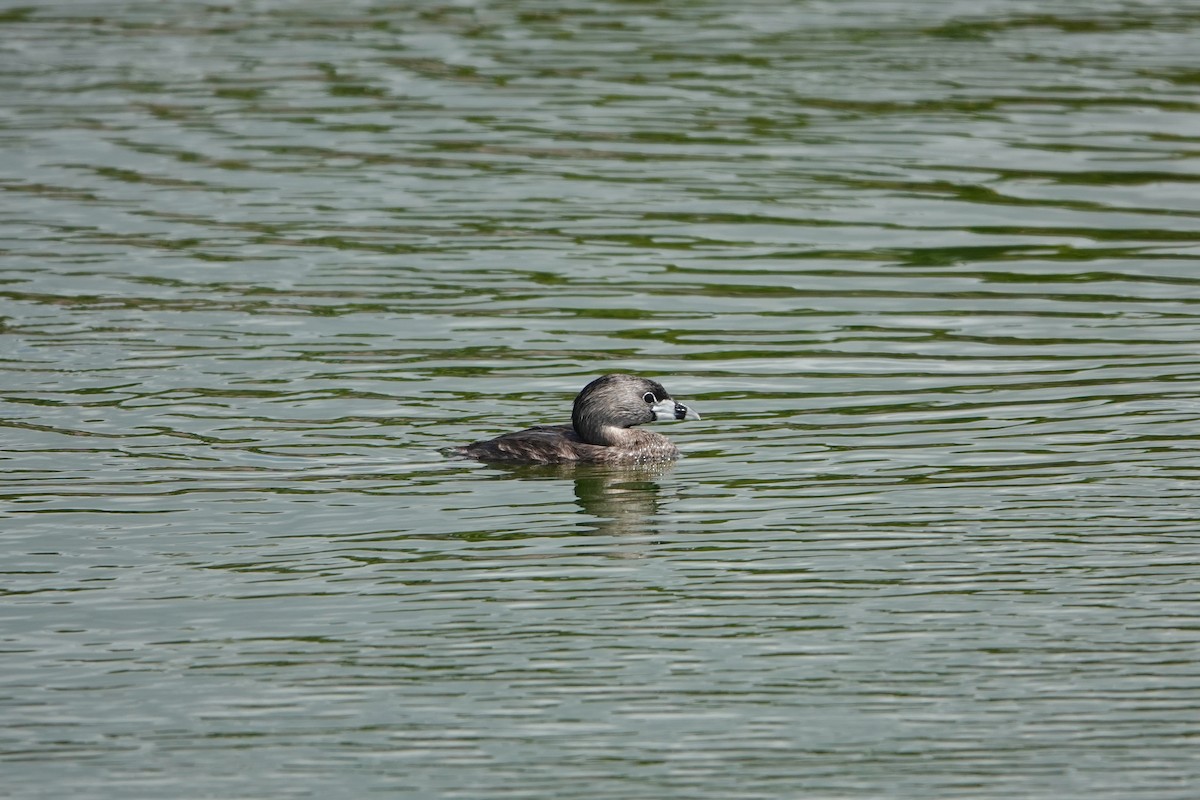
{"x":928,"y":271}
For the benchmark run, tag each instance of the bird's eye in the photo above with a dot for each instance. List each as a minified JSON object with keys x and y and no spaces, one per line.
{"x":650,"y":398}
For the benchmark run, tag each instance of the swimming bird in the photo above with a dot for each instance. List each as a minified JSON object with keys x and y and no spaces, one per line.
{"x":602,"y":430}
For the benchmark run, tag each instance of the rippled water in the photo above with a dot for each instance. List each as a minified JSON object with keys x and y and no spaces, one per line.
{"x":928,"y":270}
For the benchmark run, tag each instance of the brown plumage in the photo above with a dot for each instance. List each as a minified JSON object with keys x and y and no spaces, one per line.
{"x":601,"y":431}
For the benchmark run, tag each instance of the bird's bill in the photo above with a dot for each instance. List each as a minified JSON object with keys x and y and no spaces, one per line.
{"x":669,"y":411}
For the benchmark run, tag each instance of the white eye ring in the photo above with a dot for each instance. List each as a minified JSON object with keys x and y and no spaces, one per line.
{"x":650,"y":398}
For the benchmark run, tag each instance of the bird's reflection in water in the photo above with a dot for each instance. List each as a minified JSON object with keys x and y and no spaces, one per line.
{"x":621,"y":499}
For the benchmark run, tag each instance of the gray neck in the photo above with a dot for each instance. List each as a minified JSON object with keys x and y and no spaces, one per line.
{"x":605,"y":435}
{"x":592,"y":429}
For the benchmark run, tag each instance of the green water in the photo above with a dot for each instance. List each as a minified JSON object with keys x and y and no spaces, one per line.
{"x":927,"y":269}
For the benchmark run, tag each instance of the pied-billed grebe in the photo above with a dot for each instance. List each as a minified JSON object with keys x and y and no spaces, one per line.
{"x":601,"y":431}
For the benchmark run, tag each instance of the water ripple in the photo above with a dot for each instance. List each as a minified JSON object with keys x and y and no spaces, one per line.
{"x":927,"y":270}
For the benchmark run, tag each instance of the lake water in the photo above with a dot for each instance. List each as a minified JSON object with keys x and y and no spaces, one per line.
{"x":928,"y":270}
